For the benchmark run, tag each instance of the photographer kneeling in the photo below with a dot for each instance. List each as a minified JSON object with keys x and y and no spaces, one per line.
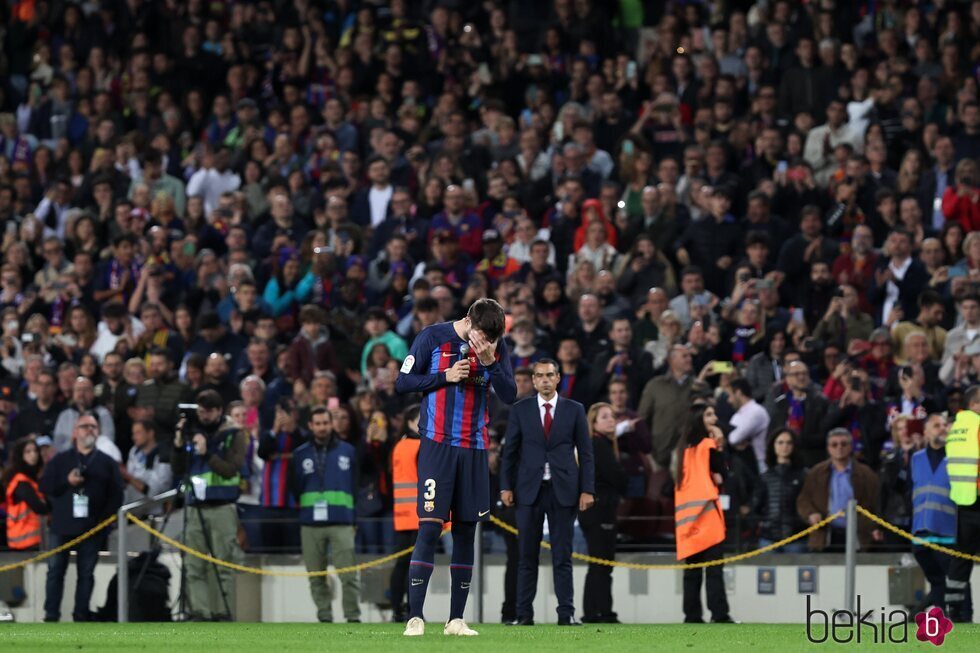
{"x":209,"y":451}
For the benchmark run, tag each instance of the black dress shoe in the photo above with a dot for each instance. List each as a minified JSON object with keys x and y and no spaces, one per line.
{"x":725,"y":620}
{"x":521,"y":621}
{"x":569,"y":621}
{"x":611,"y":618}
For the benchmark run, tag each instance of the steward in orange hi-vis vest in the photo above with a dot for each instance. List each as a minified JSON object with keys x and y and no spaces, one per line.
{"x":698,"y":519}
{"x":405,"y":477}
{"x":23,"y":524}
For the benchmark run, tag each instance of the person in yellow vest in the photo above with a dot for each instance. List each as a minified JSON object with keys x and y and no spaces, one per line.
{"x":405,"y":478}
{"x":25,"y":502}
{"x":962,"y":463}
{"x":699,"y":521}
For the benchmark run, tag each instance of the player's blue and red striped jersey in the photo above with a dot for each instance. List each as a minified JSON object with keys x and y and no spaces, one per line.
{"x":454,"y":413}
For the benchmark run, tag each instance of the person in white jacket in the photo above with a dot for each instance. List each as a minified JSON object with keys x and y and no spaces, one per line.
{"x":213,"y":178}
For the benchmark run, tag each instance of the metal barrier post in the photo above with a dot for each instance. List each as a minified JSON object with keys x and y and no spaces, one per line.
{"x":122,"y":573}
{"x":850,"y":555}
{"x":478,"y":573}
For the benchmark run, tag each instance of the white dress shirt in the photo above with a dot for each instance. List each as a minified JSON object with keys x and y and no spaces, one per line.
{"x":541,"y":412}
{"x":379,"y":198}
{"x":891,"y":289}
{"x":751,"y":423}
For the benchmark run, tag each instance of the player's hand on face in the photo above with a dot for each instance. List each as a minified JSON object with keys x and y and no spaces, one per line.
{"x":459,"y":371}
{"x":483,"y":348}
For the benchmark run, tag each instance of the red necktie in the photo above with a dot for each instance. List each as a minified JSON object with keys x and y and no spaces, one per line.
{"x":547,"y":420}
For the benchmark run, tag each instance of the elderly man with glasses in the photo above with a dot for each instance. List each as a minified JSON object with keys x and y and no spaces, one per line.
{"x":830,"y":485}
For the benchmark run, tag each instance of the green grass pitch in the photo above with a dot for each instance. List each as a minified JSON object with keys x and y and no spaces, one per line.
{"x":387,"y":638}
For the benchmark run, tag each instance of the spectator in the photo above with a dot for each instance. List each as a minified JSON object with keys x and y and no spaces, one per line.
{"x":750,"y":425}
{"x":931,"y":310}
{"x":803,"y":409}
{"x":777,"y":492}
{"x":623,"y":358}
{"x":664,"y":403}
{"x":599,"y":523}
{"x":41,"y":413}
{"x":961,"y":202}
{"x":844,"y":321}
{"x":145,"y":475}
{"x":895,"y":475}
{"x":157,"y":400}
{"x":276,"y":448}
{"x":84,"y":488}
{"x":898,"y":280}
{"x":82,"y":400}
{"x":829,"y":486}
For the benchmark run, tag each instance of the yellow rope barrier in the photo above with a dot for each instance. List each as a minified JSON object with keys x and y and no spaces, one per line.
{"x":262,"y":572}
{"x":64,"y":547}
{"x":710,"y":563}
{"x":915,"y":540}
{"x":504,"y":526}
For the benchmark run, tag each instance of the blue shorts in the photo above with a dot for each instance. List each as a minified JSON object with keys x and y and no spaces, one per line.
{"x":454,"y":483}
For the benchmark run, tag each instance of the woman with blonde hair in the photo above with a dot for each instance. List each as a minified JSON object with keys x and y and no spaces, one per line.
{"x":599,"y":523}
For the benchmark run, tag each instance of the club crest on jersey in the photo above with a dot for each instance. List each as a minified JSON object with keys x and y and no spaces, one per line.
{"x":343,"y":462}
{"x":308,"y":466}
{"x":429,"y":506}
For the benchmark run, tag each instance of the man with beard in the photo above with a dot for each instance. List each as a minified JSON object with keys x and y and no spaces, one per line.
{"x":84,"y":487}
{"x":211,"y":452}
{"x":115,"y":394}
{"x":216,"y":378}
{"x":817,"y":293}
{"x":112,"y":329}
{"x":157,"y":399}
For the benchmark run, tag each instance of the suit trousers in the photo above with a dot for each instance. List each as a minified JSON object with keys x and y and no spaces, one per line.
{"x":530,"y":522}
{"x":714,"y":586}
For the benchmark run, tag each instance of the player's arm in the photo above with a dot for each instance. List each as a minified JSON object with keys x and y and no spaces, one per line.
{"x":502,"y":375}
{"x":414,"y":376}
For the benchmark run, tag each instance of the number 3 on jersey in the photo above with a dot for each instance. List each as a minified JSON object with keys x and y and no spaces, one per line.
{"x":430,"y":489}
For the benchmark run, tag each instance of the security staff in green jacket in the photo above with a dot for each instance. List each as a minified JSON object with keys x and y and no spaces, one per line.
{"x":962,"y":465}
{"x":322,"y":477}
{"x":209,"y":454}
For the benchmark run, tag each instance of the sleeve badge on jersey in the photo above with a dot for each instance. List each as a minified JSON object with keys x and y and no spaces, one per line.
{"x":408,"y":364}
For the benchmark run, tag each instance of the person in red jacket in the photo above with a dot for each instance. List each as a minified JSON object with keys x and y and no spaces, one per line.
{"x":592,"y":211}
{"x":961,"y":203}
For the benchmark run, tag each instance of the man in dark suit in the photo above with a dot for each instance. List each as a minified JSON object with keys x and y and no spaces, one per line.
{"x":541,"y":475}
{"x":898,"y":280}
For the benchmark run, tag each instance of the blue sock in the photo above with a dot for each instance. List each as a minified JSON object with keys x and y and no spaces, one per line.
{"x":420,"y":568}
{"x":461,"y":567}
